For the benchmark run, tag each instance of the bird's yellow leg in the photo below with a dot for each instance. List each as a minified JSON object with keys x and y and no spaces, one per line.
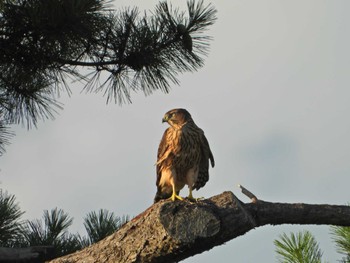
{"x":174,"y":196}
{"x":191,"y":198}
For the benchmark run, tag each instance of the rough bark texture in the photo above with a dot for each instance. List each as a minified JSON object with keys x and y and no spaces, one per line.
{"x":25,"y":255}
{"x":172,"y":231}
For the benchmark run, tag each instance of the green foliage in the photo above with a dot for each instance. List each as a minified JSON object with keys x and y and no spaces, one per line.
{"x":5,"y":136}
{"x":102,"y":224}
{"x":298,"y":248}
{"x":147,"y":52}
{"x":35,"y":36}
{"x":341,"y":237}
{"x":45,"y":42}
{"x":10,"y":214}
{"x":52,"y":231}
{"x":55,"y":226}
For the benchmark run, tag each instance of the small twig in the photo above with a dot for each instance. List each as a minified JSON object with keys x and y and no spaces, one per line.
{"x":249,"y":194}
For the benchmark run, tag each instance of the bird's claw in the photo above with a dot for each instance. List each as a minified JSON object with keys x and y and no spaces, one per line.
{"x":174,"y":197}
{"x":193,"y":200}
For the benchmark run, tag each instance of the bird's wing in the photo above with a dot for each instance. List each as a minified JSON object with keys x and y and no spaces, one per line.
{"x":206,"y":155}
{"x":162,"y":154}
{"x":208,"y":151}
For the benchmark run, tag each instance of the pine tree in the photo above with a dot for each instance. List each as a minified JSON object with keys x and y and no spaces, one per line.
{"x":298,"y":248}
{"x":52,"y":231}
{"x":10,"y":224}
{"x":44,"y":43}
{"x":102,"y":224}
{"x":341,"y":236}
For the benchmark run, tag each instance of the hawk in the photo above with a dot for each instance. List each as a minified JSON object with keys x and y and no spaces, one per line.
{"x":183,"y":157}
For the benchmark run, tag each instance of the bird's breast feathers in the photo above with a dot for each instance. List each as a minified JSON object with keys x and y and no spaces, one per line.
{"x":182,"y":147}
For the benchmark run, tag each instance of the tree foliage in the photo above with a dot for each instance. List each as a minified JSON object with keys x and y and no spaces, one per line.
{"x":341,"y":237}
{"x":52,"y":231}
{"x":298,"y":248}
{"x":10,"y":223}
{"x":102,"y":224}
{"x":44,"y":43}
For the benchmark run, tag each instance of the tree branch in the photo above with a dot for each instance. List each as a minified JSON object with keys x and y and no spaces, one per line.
{"x":248,"y":193}
{"x":172,"y":231}
{"x":25,"y":254}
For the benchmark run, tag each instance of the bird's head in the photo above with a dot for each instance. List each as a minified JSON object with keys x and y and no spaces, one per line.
{"x":177,"y":117}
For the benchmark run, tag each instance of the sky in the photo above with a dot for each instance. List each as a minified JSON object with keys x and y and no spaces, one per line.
{"x":272,"y":98}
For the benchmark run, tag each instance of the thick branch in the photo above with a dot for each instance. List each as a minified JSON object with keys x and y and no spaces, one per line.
{"x":27,"y":254}
{"x":172,"y":231}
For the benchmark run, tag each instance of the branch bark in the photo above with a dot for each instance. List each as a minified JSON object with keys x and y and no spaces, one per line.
{"x":27,"y":254}
{"x":172,"y":231}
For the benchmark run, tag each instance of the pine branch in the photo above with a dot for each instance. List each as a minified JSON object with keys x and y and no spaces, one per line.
{"x":45,"y":42}
{"x":298,"y":248}
{"x":5,"y":136}
{"x":172,"y":231}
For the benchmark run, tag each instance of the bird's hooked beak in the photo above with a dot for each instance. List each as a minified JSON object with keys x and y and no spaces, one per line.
{"x":165,"y":119}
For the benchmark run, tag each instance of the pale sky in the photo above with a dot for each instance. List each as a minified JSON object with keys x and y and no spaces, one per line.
{"x":272,"y":98}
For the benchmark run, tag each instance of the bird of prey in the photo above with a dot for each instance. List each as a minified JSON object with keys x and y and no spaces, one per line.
{"x":183,"y":157}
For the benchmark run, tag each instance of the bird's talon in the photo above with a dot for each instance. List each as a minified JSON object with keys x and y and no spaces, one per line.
{"x":193,"y":200}
{"x":174,"y":197}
